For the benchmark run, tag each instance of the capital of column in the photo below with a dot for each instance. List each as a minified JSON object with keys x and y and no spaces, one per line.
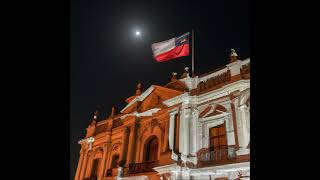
{"x":86,"y":140}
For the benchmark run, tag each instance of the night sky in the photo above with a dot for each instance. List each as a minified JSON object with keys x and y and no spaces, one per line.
{"x":108,"y":60}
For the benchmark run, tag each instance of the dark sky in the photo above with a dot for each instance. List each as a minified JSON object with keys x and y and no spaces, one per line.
{"x":107,"y":60}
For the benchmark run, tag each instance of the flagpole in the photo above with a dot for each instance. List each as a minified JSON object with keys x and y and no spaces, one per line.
{"x":192,"y":52}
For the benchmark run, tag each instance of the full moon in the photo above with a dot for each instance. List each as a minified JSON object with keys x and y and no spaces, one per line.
{"x":137,"y":33}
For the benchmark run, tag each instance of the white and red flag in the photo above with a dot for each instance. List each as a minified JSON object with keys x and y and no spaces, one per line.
{"x":172,"y":48}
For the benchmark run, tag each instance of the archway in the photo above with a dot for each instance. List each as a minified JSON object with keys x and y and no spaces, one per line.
{"x":95,"y":168}
{"x":115,"y":161}
{"x":151,"y":149}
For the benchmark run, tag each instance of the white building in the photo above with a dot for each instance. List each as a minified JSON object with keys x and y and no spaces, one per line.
{"x":215,"y":125}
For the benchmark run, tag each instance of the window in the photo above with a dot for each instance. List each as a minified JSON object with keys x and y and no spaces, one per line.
{"x":152,"y":150}
{"x":218,"y":138}
{"x":115,"y":161}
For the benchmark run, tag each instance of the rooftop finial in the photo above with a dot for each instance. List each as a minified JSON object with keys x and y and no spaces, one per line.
{"x":233,"y":55}
{"x":138,"y":91}
{"x":174,"y":76}
{"x":185,"y":73}
{"x":95,"y":116}
{"x":113,"y":111}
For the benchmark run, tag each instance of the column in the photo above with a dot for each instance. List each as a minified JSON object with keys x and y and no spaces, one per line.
{"x":171,"y":131}
{"x":247,"y":110}
{"x":79,"y":165}
{"x":89,"y":163}
{"x":234,"y":123}
{"x":193,"y":132}
{"x":230,"y":131}
{"x":184,"y":133}
{"x":124,"y":149}
{"x":132,"y":144}
{"x":243,"y":130}
{"x":137,"y":157}
{"x":166,"y":134}
{"x":84,"y":165}
{"x":109,"y":158}
{"x":103,"y":163}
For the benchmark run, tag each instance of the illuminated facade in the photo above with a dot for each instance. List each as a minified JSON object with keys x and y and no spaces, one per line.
{"x":191,"y":128}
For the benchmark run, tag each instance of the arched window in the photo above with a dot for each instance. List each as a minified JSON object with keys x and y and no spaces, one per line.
{"x":151,"y":149}
{"x":218,"y":138}
{"x":115,"y":161}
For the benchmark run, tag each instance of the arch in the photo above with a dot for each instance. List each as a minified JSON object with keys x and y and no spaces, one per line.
{"x":145,"y":136}
{"x":115,"y":161}
{"x":115,"y":150}
{"x":98,"y":153}
{"x":151,"y":149}
{"x":97,"y":157}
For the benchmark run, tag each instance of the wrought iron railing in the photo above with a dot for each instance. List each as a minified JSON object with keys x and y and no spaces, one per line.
{"x":141,"y":167}
{"x":217,"y":155}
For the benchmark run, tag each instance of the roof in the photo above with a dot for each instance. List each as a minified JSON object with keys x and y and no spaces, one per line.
{"x":149,"y":97}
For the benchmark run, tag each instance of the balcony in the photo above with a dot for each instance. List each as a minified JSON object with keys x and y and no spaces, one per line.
{"x":219,"y":156}
{"x":135,"y":168}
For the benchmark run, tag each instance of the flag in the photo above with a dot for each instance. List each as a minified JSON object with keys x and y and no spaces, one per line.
{"x":172,"y":48}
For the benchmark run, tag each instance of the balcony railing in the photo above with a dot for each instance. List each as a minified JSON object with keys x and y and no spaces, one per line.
{"x":216,"y":156}
{"x":141,"y":167}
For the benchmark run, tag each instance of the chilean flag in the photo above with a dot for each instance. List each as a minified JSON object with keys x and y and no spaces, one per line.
{"x":171,"y":49}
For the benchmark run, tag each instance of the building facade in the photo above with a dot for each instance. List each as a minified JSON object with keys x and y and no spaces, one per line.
{"x":194,"y":127}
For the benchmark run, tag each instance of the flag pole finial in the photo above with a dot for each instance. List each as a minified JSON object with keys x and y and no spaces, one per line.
{"x":113,"y":111}
{"x":138,"y":90}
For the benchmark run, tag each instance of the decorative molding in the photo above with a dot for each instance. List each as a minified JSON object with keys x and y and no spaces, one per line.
{"x":147,"y":113}
{"x":214,"y":81}
{"x":89,"y":141}
{"x":154,"y":123}
{"x":223,"y":91}
{"x":176,"y":100}
{"x":139,"y":98}
{"x":220,"y":170}
{"x":167,"y":168}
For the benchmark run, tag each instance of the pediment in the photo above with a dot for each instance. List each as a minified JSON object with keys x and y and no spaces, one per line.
{"x":212,"y":110}
{"x":153,"y":97}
